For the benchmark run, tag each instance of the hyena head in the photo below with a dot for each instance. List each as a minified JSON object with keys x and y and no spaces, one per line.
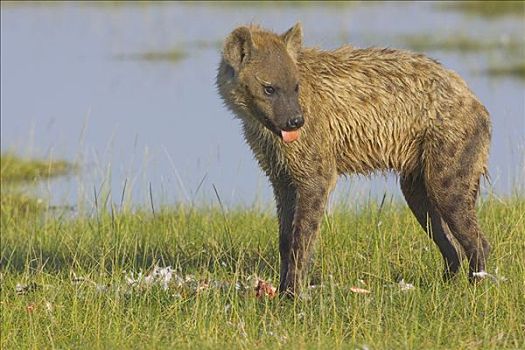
{"x":259,"y":80}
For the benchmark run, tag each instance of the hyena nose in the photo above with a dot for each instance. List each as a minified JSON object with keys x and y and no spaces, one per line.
{"x":295,"y":122}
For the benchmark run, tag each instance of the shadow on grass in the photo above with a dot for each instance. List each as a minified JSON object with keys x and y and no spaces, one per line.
{"x":199,"y":260}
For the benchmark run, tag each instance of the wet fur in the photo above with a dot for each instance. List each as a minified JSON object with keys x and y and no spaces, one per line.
{"x":369,"y":110}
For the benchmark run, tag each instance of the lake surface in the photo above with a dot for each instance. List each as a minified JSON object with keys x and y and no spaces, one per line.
{"x":73,"y":88}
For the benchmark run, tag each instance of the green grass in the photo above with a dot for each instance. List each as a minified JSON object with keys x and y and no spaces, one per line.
{"x":514,"y":70}
{"x":461,"y":43}
{"x":172,"y":55}
{"x":16,"y":169}
{"x":146,"y":3}
{"x":278,"y":4}
{"x":487,"y":9}
{"x":16,"y":174}
{"x":63,"y":282}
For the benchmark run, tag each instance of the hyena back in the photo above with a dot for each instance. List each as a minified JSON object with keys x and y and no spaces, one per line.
{"x":310,"y":115}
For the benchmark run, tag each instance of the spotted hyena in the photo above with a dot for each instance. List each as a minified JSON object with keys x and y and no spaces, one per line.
{"x":310,"y":115}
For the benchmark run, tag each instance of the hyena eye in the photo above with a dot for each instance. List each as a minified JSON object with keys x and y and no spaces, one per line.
{"x":269,"y":90}
{"x":296,"y":87}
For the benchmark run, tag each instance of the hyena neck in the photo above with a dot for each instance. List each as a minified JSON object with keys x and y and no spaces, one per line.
{"x":266,"y":147}
{"x":257,"y":135}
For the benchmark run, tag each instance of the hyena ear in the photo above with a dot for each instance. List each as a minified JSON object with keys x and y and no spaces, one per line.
{"x":293,"y":39}
{"x":238,"y":47}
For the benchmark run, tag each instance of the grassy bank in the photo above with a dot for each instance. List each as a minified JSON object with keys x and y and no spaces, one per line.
{"x":16,"y":177}
{"x":513,"y":70}
{"x":76,"y":283}
{"x":14,"y":169}
{"x":487,"y":9}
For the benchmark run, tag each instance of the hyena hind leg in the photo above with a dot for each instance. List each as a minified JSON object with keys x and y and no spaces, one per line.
{"x":464,"y":226}
{"x":414,"y":190}
{"x":454,"y":196}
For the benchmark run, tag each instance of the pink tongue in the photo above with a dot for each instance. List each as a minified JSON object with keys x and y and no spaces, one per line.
{"x":290,"y":136}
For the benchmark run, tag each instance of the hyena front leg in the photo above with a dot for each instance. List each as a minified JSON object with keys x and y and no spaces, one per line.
{"x":285,"y":198}
{"x":310,"y":205}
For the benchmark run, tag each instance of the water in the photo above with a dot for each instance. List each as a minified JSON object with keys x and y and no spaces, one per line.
{"x":70,"y":89}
